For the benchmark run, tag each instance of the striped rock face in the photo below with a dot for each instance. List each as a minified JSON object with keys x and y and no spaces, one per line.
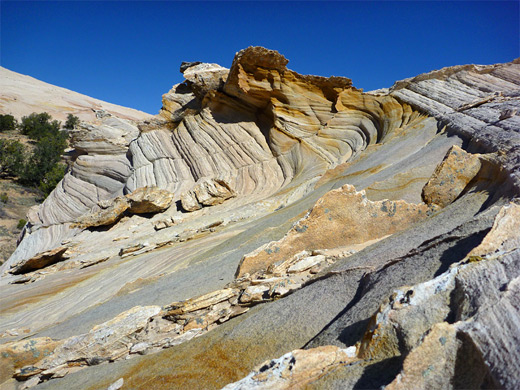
{"x":374,"y":235}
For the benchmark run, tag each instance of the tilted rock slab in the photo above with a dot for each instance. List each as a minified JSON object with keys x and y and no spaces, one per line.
{"x":295,"y":369}
{"x":457,"y":330}
{"x":335,"y":307}
{"x":451,"y":177}
{"x":341,"y":217}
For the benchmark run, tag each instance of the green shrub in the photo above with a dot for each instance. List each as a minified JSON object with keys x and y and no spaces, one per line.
{"x":7,"y":122}
{"x":3,"y":197}
{"x":37,"y":126}
{"x":72,"y":121}
{"x":41,"y":168}
{"x":52,"y":178}
{"x":12,"y":158}
{"x":46,"y":154}
{"x":21,"y":224}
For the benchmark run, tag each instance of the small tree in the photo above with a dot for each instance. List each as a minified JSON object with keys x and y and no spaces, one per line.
{"x":72,"y":122}
{"x":46,"y":155}
{"x":21,"y":224}
{"x":37,"y":126}
{"x":41,"y":168}
{"x":7,"y":122}
{"x":12,"y":158}
{"x":52,"y":178}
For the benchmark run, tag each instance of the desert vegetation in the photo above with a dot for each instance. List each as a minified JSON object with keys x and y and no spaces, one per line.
{"x":35,"y":159}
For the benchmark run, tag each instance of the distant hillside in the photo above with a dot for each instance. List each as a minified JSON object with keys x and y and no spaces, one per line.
{"x":22,"y":95}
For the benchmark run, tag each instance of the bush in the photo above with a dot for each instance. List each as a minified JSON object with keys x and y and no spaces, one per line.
{"x":72,"y":121}
{"x":7,"y":122}
{"x":21,"y":224}
{"x":42,"y":167}
{"x":12,"y":158}
{"x":52,"y":178}
{"x":37,"y":126}
{"x":46,"y":155}
{"x":3,"y":197}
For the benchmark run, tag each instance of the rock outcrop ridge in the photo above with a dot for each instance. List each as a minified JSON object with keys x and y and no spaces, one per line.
{"x":367,"y":239}
{"x":265,"y":129}
{"x":22,"y":95}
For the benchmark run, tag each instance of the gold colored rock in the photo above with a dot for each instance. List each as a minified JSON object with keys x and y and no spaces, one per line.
{"x":432,"y":364}
{"x":296,"y":369}
{"x":207,"y":192}
{"x":41,"y":260}
{"x":149,"y":200}
{"x":341,"y":217}
{"x":108,"y":213}
{"x":18,"y":354}
{"x":451,"y":177}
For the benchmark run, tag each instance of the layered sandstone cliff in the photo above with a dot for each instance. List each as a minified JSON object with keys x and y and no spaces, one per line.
{"x":274,"y":230}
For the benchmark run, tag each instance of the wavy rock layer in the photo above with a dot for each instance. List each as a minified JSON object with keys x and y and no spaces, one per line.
{"x":152,"y":301}
{"x":265,"y":128}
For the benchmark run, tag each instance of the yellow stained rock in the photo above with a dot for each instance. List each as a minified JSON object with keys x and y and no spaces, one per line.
{"x":23,"y":353}
{"x":341,"y":217}
{"x":451,"y":176}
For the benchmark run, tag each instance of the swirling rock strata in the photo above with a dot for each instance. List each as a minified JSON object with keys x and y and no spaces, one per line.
{"x":262,"y":129}
{"x":404,"y":308}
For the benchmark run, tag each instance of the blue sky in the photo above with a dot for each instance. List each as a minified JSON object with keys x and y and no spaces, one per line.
{"x":129,"y":52}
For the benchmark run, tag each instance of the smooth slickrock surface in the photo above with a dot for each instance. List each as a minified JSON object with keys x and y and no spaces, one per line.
{"x":274,"y":235}
{"x":22,"y":95}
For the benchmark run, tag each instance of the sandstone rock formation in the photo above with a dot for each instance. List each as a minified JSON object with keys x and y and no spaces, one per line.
{"x":149,"y":200}
{"x":335,"y":239}
{"x":206,"y":193}
{"x":22,"y":95}
{"x":341,"y":218}
{"x":456,"y":172}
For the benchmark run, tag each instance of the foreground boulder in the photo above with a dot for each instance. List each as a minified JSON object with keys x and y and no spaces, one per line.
{"x":106,"y":213}
{"x":149,"y":200}
{"x":451,"y":177}
{"x":208,"y":192}
{"x":141,"y":201}
{"x":41,"y":260}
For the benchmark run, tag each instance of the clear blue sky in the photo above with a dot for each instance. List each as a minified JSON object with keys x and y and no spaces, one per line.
{"x":129,"y":53}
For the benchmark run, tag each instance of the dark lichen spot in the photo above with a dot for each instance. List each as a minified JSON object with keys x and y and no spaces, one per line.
{"x":389,"y":207}
{"x":302,"y":229}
